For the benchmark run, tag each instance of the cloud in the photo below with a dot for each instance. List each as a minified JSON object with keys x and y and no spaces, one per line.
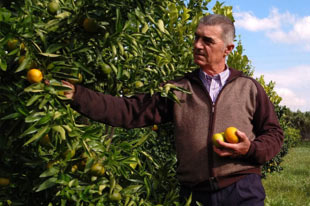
{"x":292,"y":85}
{"x":279,"y":27}
{"x":291,"y":99}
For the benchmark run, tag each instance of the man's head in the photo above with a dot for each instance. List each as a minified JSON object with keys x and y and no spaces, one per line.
{"x":214,"y":39}
{"x":228,"y":28}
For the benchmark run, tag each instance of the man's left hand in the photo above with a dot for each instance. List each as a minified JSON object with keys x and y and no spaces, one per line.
{"x":234,"y":150}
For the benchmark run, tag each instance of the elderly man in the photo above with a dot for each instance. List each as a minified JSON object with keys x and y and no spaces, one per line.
{"x":220,"y":97}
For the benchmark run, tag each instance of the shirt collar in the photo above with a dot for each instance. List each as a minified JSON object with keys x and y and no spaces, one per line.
{"x":223,"y":76}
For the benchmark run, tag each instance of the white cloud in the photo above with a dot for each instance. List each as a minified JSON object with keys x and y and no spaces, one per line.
{"x":291,"y":99}
{"x":274,"y":21}
{"x":293,"y":85}
{"x":279,"y":27}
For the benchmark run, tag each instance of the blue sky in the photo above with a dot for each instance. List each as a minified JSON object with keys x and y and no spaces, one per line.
{"x":275,"y":35}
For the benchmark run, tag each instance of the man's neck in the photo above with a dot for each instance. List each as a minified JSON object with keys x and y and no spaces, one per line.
{"x":214,"y":70}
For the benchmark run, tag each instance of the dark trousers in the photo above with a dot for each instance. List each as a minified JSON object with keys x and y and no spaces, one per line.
{"x":248,"y":191}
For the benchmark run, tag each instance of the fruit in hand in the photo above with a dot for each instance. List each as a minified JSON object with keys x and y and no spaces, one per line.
{"x":34,"y":76}
{"x":230,"y":135}
{"x":218,"y":136}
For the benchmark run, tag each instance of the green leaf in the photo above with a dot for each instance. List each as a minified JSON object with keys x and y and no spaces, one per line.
{"x":49,"y":55}
{"x":47,"y":184}
{"x":50,"y":172}
{"x":11,"y":116}
{"x":3,"y":64}
{"x":35,"y":88}
{"x":34,"y":117}
{"x":40,"y":133}
{"x":23,"y":65}
{"x":33,"y":99}
{"x":61,"y":130}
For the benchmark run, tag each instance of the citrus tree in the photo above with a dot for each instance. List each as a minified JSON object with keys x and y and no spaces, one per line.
{"x":50,"y":154}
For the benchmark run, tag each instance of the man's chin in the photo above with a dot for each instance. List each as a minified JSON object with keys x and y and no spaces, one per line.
{"x":199,"y":62}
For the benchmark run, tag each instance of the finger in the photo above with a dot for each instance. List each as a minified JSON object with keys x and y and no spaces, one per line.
{"x":242,"y":136}
{"x":47,"y":82}
{"x":227,"y":145}
{"x":223,"y":152}
{"x":68,"y":84}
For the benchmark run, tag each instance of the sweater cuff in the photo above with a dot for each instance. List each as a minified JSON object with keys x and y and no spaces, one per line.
{"x":251,"y":153}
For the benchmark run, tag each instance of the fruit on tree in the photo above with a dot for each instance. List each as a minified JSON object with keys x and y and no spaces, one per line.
{"x":53,"y":7}
{"x":218,"y":136}
{"x":4,"y":181}
{"x":45,"y":140}
{"x":155,"y":127}
{"x":90,"y":25}
{"x":12,"y":44}
{"x":97,"y":169}
{"x":74,"y":168}
{"x":230,"y":135}
{"x":106,"y":68}
{"x":138,"y":84}
{"x":115,"y":196}
{"x":34,"y":76}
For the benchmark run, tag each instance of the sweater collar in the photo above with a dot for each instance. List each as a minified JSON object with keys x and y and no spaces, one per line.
{"x":195,"y":75}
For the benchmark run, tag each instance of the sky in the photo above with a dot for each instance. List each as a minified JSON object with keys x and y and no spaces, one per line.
{"x":275,"y":35}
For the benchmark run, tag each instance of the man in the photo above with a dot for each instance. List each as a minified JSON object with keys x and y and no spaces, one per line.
{"x":220,"y":97}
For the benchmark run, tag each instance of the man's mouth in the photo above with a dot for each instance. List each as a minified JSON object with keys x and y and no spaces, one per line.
{"x":199,"y":53}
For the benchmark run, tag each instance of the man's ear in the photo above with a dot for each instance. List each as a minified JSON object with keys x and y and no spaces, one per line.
{"x":229,"y":49}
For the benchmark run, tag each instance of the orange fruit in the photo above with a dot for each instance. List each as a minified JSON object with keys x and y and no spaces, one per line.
{"x":106,"y":68}
{"x":53,"y":7}
{"x":230,"y":135}
{"x":138,"y":84}
{"x":155,"y":127}
{"x":97,"y":169}
{"x":4,"y":181}
{"x":12,"y":44}
{"x":74,"y":168}
{"x":34,"y":76}
{"x":115,"y":196}
{"x":218,"y":136}
{"x":45,"y":140}
{"x":90,"y":25}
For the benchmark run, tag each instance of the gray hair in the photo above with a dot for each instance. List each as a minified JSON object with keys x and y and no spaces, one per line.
{"x":228,"y":28}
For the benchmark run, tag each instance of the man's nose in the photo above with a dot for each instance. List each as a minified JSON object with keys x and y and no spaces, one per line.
{"x":198,"y":44}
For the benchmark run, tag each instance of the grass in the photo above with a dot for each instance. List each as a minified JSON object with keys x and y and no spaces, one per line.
{"x":290,"y":187}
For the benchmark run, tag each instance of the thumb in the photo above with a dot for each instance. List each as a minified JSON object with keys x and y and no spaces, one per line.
{"x":242,"y":136}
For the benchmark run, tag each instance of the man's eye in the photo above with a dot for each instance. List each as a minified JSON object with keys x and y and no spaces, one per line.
{"x":208,"y":40}
{"x":196,"y":37}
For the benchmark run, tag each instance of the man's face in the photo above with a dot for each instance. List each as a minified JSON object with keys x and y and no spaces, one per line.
{"x":209,"y":48}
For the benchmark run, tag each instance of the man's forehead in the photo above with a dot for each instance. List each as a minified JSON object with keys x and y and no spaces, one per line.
{"x":207,"y":30}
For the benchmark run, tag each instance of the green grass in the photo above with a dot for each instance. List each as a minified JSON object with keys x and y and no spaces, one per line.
{"x":290,"y":187}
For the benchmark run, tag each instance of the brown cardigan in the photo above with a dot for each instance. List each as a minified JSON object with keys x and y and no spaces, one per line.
{"x":242,"y":103}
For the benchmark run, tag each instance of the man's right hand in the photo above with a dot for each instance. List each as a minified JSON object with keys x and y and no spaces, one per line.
{"x":69,"y":93}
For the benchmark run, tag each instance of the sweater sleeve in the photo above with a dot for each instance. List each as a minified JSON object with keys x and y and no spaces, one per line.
{"x":137,"y":111}
{"x":269,"y":135}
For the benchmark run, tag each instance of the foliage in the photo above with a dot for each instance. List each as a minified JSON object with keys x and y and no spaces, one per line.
{"x":49,"y":152}
{"x":299,"y":120}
